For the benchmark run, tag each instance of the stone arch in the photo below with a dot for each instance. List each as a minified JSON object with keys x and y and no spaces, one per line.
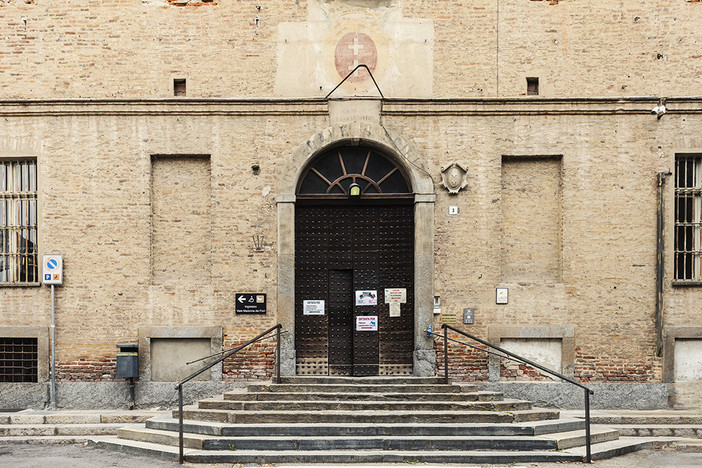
{"x":422,"y":186}
{"x":357,"y":133}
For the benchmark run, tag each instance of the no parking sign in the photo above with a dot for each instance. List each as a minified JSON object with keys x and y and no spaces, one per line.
{"x":52,"y":271}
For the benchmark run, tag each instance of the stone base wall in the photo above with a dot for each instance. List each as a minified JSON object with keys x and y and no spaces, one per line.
{"x":115,"y":395}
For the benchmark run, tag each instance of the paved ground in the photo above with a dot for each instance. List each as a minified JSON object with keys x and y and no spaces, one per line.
{"x":84,"y":456}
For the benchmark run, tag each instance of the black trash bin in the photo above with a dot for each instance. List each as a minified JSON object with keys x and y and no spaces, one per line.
{"x":128,"y":361}
{"x":128,"y":367}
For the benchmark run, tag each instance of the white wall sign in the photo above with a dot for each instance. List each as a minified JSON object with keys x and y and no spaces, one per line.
{"x":367,"y":323}
{"x":366,"y":297}
{"x":502,"y":296}
{"x":313,"y":307}
{"x":394,"y":309}
{"x":395,"y":295}
{"x":52,"y":269}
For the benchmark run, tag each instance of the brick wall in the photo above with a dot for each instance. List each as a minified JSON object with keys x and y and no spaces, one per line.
{"x":229,"y":48}
{"x":95,"y":197}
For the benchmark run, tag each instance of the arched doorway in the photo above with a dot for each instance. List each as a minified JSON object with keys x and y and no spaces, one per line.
{"x":354,"y":265}
{"x":411,"y":165}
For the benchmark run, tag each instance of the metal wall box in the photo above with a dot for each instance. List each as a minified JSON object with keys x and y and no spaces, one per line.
{"x":127,"y":361}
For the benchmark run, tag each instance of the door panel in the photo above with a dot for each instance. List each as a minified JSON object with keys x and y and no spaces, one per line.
{"x":340,"y":322}
{"x":365,"y":343}
{"x":341,"y":249}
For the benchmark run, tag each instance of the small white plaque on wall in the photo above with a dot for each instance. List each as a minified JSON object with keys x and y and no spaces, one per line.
{"x":502,"y":296}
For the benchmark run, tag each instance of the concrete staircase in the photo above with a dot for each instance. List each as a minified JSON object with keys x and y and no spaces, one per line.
{"x":369,"y":420}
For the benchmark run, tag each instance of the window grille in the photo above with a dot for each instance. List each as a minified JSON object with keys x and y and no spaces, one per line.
{"x":688,"y":214}
{"x":333,"y":172}
{"x":18,"y":222}
{"x":18,"y":360}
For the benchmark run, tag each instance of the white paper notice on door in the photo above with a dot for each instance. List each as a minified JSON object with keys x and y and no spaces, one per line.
{"x":394,"y":309}
{"x":312,"y":307}
{"x":367,"y":323}
{"x":395,"y":295}
{"x":366,"y":297}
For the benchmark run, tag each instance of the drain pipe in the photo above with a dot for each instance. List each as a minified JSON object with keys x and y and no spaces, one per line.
{"x":660,"y":262}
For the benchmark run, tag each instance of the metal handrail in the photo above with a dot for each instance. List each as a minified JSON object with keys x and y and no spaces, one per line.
{"x":179,"y":385}
{"x":509,"y":355}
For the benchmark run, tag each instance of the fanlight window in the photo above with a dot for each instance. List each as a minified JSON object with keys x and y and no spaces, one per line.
{"x":333,"y":173}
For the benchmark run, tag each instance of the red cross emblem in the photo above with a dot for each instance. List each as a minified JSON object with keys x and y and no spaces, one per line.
{"x":355,"y":49}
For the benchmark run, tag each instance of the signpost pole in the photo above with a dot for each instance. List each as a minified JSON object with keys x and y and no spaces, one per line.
{"x":53,"y":351}
{"x":52,"y":274}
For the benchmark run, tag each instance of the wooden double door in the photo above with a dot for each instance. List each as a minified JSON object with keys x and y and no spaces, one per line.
{"x":354,"y":289}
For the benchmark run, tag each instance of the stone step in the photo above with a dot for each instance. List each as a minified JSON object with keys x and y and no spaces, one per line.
{"x":368,"y":405}
{"x":64,"y":417}
{"x":688,"y":446}
{"x":355,"y":388}
{"x":666,"y":417}
{"x":337,"y":456}
{"x":372,"y":380}
{"x":571,"y":439}
{"x":648,"y":418}
{"x":45,"y":430}
{"x":365,"y":430}
{"x":55,"y":440}
{"x":622,"y":446}
{"x":690,"y":431}
{"x":309,"y":443}
{"x":368,"y":416}
{"x":599,"y":451}
{"x":278,"y":396}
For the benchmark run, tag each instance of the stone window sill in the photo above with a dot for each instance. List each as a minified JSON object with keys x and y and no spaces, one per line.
{"x":686,"y":283}
{"x":20,"y":285}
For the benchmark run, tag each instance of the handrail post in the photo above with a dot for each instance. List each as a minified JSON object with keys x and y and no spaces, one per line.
{"x":225,"y":355}
{"x":277,"y":356}
{"x":588,"y":452}
{"x":446,"y":370}
{"x":180,"y":424}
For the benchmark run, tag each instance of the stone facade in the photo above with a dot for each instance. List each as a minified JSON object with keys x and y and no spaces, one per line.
{"x":154,"y":200}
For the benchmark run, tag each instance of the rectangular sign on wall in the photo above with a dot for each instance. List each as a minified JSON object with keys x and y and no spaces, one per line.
{"x":52,"y":269}
{"x":250,"y":303}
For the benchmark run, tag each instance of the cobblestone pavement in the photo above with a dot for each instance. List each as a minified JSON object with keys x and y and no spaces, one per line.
{"x":85,"y":456}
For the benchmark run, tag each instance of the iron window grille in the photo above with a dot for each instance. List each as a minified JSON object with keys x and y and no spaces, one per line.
{"x":18,"y":222}
{"x":18,"y":360}
{"x":688,"y":218}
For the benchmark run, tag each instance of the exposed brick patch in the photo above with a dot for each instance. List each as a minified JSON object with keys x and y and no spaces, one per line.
{"x":512,"y":372}
{"x":465,"y":365}
{"x":590,"y":368}
{"x":84,"y":370}
{"x":257,"y":361}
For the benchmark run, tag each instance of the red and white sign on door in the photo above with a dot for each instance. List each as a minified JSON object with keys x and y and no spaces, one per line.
{"x":367,"y":323}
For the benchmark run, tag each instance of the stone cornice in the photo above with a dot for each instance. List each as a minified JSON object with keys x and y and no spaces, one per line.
{"x":318,"y":106}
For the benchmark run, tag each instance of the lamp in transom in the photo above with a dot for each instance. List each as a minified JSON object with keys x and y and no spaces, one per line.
{"x":354,"y":190}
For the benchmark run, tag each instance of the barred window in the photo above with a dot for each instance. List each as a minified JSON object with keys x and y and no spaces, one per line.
{"x":688,"y":214}
{"x":18,"y":359}
{"x":18,"y":222}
